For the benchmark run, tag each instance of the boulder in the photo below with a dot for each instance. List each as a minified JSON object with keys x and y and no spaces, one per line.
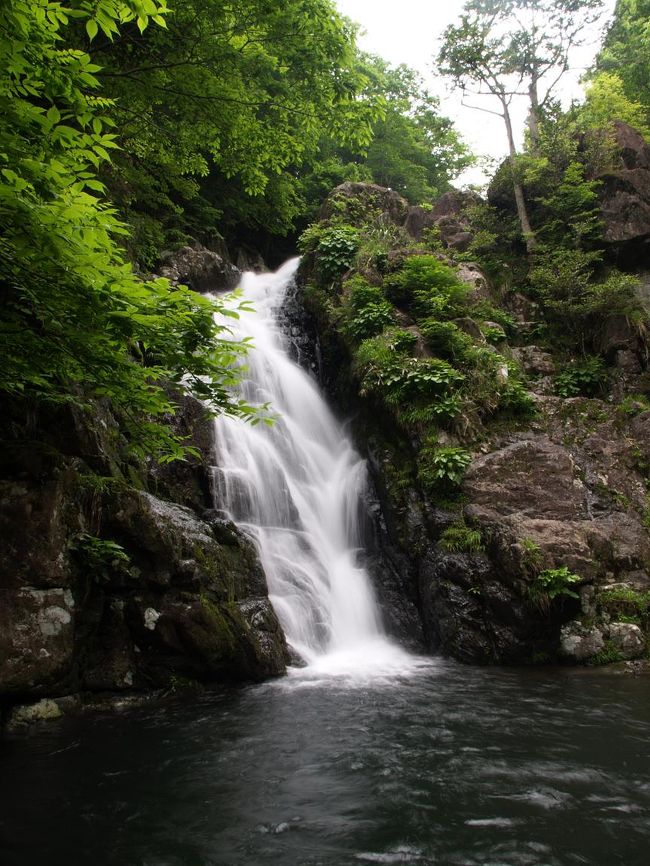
{"x":534,"y":361}
{"x":200,"y":269}
{"x":473,"y":276}
{"x":579,"y":642}
{"x":448,"y":216}
{"x":354,"y":199}
{"x":627,"y":639}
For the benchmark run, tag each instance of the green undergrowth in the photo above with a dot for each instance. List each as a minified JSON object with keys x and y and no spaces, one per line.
{"x":422,"y":348}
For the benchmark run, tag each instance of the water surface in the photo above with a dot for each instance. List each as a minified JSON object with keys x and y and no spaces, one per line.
{"x":439,"y":765}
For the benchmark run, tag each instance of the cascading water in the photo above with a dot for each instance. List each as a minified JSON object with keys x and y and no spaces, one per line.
{"x":296,"y":488}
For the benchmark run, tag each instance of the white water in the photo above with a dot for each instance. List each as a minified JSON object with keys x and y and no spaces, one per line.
{"x":296,"y":489}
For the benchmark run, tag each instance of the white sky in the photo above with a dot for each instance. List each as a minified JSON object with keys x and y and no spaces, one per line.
{"x":409,"y":31}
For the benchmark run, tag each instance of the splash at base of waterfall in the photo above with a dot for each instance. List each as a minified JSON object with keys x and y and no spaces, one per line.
{"x":296,"y":488}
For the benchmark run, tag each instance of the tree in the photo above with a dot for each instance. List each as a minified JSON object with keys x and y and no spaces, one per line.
{"x":223,"y":110}
{"x":76,"y":324}
{"x":606,"y":100}
{"x":626,"y":49}
{"x":510,"y":48}
{"x":414,"y":149}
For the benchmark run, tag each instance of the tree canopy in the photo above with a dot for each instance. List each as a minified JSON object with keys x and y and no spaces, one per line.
{"x":126,"y":125}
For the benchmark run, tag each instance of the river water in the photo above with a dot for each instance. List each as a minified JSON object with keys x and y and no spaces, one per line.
{"x":445,"y":765}
{"x":366,"y":754}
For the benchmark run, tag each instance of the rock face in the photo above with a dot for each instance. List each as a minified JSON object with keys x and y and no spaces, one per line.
{"x":200,"y":269}
{"x":625,"y":196}
{"x":561,"y":496}
{"x":447,"y":216}
{"x":117,"y":588}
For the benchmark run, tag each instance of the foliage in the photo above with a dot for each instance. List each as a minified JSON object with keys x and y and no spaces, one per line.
{"x":460,"y":538}
{"x":633,"y":405}
{"x":620,"y":601}
{"x":100,"y":556}
{"x":442,"y":466}
{"x":606,"y":100}
{"x":336,"y":251}
{"x":585,"y":378}
{"x":76,"y":324}
{"x":515,"y":400}
{"x":532,"y":557}
{"x":576,"y":305}
{"x":570,"y":215}
{"x":367,"y":311}
{"x":414,"y":149}
{"x":227,"y":106}
{"x":446,"y":339}
{"x":493,"y":335}
{"x":626,"y":49}
{"x":553,"y":583}
{"x":512,"y":48}
{"x":428,"y":287}
{"x":607,"y":655}
{"x":417,"y":389}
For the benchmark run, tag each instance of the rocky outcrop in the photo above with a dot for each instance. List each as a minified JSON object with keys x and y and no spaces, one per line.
{"x":352,"y":198}
{"x":109,"y":587}
{"x":448,"y":216}
{"x":552,"y":513}
{"x":200,"y":269}
{"x":625,"y":194}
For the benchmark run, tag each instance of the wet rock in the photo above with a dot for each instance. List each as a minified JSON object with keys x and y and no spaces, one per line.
{"x":188,"y":482}
{"x":579,"y":643}
{"x":200,"y":269}
{"x":36,"y":638}
{"x":26,"y":714}
{"x":34,"y":526}
{"x":533,"y":477}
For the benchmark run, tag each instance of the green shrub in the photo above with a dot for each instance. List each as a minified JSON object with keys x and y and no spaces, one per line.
{"x":553,"y":583}
{"x":493,"y":335}
{"x":575,"y":304}
{"x":514,"y":399}
{"x":366,"y":310}
{"x":445,"y":339}
{"x":335,"y":248}
{"x":442,"y":466}
{"x":633,"y":405}
{"x":438,"y":410}
{"x":459,"y":538}
{"x":100,"y":556}
{"x":583,"y":378}
{"x":485,"y":311}
{"x":397,"y":378}
{"x":428,"y":287}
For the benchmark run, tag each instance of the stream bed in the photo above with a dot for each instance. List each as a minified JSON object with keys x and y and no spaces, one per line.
{"x":442,"y":764}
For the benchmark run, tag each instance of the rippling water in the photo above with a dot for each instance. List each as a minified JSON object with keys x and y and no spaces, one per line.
{"x":448,"y":765}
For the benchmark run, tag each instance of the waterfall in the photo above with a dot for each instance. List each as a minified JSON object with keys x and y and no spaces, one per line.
{"x":295,"y":487}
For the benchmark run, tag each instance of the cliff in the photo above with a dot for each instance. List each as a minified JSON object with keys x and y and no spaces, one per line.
{"x":513,"y":499}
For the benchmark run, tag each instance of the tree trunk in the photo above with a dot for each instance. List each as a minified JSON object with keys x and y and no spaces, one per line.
{"x":522,"y":210}
{"x":533,"y":116}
